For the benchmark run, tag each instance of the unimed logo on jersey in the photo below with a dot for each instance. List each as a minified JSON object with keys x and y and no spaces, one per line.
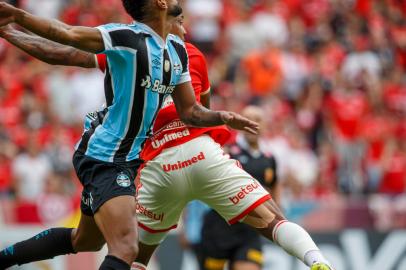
{"x":157,"y":86}
{"x":170,"y":137}
{"x":244,"y":192}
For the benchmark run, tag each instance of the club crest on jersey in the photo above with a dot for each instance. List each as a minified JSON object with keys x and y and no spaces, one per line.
{"x":123,"y":180}
{"x":167,"y":66}
{"x":156,"y":86}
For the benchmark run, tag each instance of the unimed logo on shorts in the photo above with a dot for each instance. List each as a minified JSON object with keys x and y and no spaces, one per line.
{"x":244,"y":191}
{"x":183,"y":164}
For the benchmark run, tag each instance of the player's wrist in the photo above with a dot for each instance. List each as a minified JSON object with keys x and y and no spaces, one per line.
{"x":225,"y":117}
{"x":19,"y":15}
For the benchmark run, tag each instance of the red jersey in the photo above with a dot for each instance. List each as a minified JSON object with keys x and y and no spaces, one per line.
{"x":169,"y":130}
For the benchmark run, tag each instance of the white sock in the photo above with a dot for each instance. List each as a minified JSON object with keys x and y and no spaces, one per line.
{"x":314,"y":256}
{"x":297,"y":242}
{"x":138,"y":266}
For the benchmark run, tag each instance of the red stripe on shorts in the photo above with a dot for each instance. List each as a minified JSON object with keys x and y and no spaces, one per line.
{"x":249,"y":209}
{"x":150,"y":230}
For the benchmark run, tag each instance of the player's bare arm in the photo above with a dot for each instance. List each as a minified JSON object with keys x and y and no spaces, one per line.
{"x":195,"y":114}
{"x":48,"y":51}
{"x":84,"y":38}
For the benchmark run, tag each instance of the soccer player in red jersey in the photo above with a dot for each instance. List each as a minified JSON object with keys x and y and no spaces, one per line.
{"x":184,"y":163}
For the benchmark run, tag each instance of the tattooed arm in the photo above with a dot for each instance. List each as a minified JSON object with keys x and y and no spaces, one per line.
{"x":194,"y":114}
{"x":84,"y":38}
{"x":48,"y":51}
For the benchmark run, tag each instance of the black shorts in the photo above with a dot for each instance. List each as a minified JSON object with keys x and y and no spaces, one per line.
{"x":223,"y":243}
{"x":103,"y":181}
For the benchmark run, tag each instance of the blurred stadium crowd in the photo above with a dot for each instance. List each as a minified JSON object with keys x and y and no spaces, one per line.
{"x":330,"y":75}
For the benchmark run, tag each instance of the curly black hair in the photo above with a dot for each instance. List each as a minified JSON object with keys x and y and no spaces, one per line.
{"x":136,"y":8}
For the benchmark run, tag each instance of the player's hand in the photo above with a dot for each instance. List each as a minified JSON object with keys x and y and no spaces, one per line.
{"x":236,"y":121}
{"x":7,"y":13}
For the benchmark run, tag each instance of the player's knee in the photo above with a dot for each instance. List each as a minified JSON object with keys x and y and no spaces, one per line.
{"x":126,"y":245}
{"x":82,"y":243}
{"x":129,"y":249}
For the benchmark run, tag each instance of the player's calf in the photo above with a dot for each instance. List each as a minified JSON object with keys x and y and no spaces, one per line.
{"x":45,"y":245}
{"x":269,"y":221}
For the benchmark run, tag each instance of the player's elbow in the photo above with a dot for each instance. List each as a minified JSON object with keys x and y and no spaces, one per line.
{"x":187,"y":118}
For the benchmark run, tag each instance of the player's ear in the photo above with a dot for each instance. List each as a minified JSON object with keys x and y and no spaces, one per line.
{"x":162,"y":4}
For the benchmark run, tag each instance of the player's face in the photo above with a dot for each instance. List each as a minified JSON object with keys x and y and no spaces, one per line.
{"x":178,"y":28}
{"x":174,"y":9}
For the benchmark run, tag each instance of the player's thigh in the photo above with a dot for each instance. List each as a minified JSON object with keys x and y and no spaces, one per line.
{"x":87,"y":237}
{"x":161,"y":197}
{"x":226,"y":187}
{"x":117,"y":222}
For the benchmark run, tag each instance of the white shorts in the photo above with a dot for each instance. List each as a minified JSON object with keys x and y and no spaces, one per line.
{"x":195,"y":170}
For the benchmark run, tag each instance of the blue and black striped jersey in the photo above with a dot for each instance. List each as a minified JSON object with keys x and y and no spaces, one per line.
{"x":142,"y":69}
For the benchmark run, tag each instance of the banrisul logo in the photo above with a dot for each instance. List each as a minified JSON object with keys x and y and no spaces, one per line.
{"x":123,"y":180}
{"x":156,"y":86}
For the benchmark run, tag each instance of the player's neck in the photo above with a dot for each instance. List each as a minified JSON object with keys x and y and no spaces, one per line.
{"x":159,"y":25}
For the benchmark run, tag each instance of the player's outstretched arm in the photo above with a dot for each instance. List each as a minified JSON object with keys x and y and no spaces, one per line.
{"x":195,"y":114}
{"x":48,"y":51}
{"x":84,"y":38}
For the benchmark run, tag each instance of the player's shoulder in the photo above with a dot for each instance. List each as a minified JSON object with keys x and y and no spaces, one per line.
{"x":135,"y":27}
{"x":175,"y":40}
{"x":192,"y":50}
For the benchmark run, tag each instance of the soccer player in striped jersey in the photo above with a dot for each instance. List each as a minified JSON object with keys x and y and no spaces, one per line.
{"x":169,"y":139}
{"x":144,"y":66}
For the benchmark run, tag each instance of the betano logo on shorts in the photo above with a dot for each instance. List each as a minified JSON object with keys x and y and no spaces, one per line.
{"x":244,"y":191}
{"x":144,"y":211}
{"x":170,"y":137}
{"x":184,"y":164}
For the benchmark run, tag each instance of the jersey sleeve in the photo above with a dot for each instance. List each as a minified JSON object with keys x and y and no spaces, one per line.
{"x":116,"y":36}
{"x":204,"y":76}
{"x":198,"y":71}
{"x":184,"y":59}
{"x":105,"y":32}
{"x":185,"y":77}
